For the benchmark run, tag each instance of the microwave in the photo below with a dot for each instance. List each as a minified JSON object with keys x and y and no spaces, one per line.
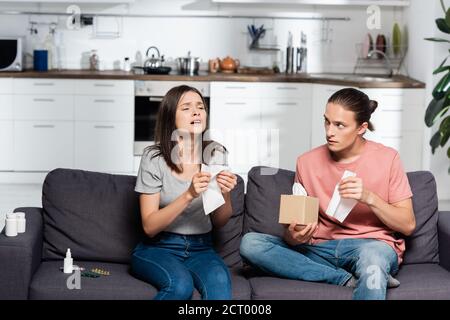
{"x":11,"y":54}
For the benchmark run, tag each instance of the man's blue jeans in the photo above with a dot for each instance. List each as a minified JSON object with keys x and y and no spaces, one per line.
{"x":333,"y":262}
{"x":176,"y":263}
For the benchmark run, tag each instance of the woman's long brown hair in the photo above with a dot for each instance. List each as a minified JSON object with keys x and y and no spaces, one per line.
{"x":165,"y":126}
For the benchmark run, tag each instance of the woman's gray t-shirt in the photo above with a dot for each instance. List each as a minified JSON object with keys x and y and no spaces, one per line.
{"x":155,"y":176}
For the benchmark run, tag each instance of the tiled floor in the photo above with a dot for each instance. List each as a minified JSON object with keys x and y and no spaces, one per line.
{"x":29,"y":195}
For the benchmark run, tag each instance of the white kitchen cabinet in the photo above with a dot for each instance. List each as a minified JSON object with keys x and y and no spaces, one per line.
{"x":261,"y":123}
{"x":104,"y":146}
{"x":6,"y":125}
{"x":289,"y":122}
{"x":43,"y":86}
{"x":6,"y":145}
{"x":104,"y":125}
{"x":43,"y":145}
{"x":104,"y":87}
{"x":104,"y":108}
{"x":43,"y":107}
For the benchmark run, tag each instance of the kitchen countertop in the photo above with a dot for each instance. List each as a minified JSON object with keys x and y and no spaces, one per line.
{"x":399,"y":81}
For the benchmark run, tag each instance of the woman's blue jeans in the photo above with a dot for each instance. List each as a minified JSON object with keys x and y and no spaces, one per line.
{"x":333,"y":262}
{"x":176,"y":263}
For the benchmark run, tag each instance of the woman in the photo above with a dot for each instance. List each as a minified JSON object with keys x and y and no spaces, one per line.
{"x":362,"y":251}
{"x":178,"y":255}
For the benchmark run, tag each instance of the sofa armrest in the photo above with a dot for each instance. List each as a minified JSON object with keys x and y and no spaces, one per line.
{"x":20,"y":256}
{"x":444,"y":239}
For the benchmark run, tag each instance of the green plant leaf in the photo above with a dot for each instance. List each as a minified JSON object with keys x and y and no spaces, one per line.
{"x":435,"y":141}
{"x":442,"y":25}
{"x":437,"y":40}
{"x":444,"y":61}
{"x":447,"y":16}
{"x":444,"y":130}
{"x":442,"y":87}
{"x":448,"y":152}
{"x":433,"y":110}
{"x":441,"y":69}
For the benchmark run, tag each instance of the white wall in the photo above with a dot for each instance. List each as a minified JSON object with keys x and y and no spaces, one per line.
{"x":207,"y":37}
{"x":423,"y":58}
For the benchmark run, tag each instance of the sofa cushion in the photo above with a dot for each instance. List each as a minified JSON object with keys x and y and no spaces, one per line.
{"x":423,"y":246}
{"x":262,"y":204}
{"x":420,"y":281}
{"x":262,"y":201}
{"x":96,"y":215}
{"x":228,"y":238}
{"x":49,"y":283}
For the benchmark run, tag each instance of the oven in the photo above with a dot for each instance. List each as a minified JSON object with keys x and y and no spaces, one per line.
{"x":147,"y":98}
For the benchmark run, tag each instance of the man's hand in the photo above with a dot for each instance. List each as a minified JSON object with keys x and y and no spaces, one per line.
{"x":353,"y":188}
{"x":297,"y":234}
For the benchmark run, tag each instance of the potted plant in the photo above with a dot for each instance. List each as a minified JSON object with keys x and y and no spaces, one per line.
{"x":440,"y":104}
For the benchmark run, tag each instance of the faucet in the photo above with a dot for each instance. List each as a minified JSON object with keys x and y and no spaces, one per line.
{"x":388,"y":62}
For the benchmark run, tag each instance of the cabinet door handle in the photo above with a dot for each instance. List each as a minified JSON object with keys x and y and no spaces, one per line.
{"x":235,"y":87}
{"x":104,"y":100}
{"x":50,"y":126}
{"x":103,"y":127}
{"x":44,"y":84}
{"x":103,"y":85}
{"x":286,"y":103}
{"x":235,"y":103}
{"x":287,"y":88}
{"x":43,"y":100}
{"x":155,"y":99}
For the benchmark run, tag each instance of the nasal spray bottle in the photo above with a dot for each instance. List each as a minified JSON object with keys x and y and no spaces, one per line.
{"x":68,"y":262}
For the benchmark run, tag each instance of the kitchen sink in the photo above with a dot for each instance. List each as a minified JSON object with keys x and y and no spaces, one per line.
{"x":350,"y":77}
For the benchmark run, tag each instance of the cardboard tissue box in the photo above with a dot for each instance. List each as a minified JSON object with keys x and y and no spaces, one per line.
{"x":298,"y":207}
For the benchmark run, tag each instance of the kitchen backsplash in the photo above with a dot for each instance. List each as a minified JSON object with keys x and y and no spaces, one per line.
{"x":331,"y":46}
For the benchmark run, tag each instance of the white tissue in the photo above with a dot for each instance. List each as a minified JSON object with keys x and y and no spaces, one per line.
{"x":340,"y":208}
{"x":298,"y":189}
{"x":212,"y":197}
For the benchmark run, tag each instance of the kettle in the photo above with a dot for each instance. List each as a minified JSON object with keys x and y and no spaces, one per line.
{"x":153,"y":62}
{"x":229,"y":65}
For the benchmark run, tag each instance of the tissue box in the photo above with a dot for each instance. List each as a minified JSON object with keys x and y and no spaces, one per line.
{"x":302,"y":209}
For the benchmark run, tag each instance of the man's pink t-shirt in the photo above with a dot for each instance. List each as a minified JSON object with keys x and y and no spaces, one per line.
{"x":381,"y":171}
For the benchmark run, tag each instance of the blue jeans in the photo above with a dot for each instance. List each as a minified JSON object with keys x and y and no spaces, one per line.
{"x":334,"y":262}
{"x":176,"y":263}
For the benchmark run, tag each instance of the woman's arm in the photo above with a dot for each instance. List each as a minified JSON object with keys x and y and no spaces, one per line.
{"x":397,"y":216}
{"x":226,"y":181}
{"x":155,"y":220}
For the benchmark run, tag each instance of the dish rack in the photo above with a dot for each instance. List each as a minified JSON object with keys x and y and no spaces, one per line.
{"x":376,"y":63}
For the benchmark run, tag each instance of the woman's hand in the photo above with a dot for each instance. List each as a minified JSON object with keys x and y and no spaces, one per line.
{"x":226,"y":181}
{"x":299,"y":234}
{"x":199,"y":184}
{"x":353,"y":188}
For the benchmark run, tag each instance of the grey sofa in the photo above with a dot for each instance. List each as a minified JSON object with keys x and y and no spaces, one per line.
{"x":96,"y":215}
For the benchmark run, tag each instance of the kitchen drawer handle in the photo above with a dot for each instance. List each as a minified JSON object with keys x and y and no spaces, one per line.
{"x":287,"y":103}
{"x":103,"y":85}
{"x":104,"y":100}
{"x":43,"y":100}
{"x":235,"y":103}
{"x":235,"y":87}
{"x":104,"y":127}
{"x":287,"y":88}
{"x":44,"y":126}
{"x":155,"y":99}
{"x":44,"y":83}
